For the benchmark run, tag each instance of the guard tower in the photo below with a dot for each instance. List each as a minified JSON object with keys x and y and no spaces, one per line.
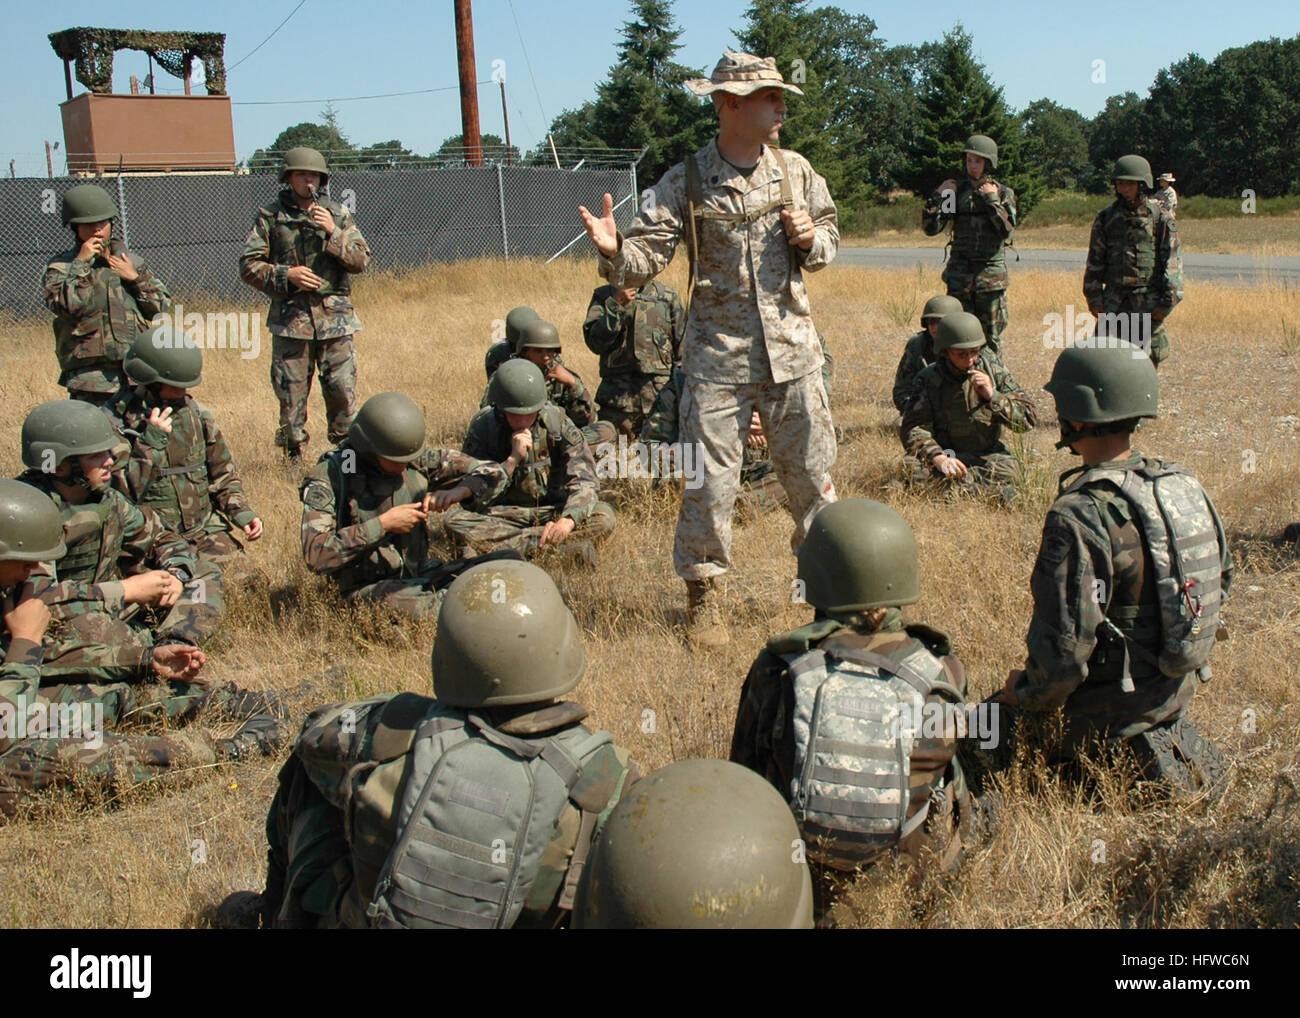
{"x":145,"y":132}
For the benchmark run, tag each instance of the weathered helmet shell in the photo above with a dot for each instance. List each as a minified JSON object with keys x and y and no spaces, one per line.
{"x":700,"y":844}
{"x":304,"y":158}
{"x":1132,"y":167}
{"x":65,"y":427}
{"x":389,"y":425}
{"x":859,"y":554}
{"x":960,"y":330}
{"x":518,"y":387}
{"x":31,"y":526}
{"x":1111,"y":381}
{"x":938,"y":307}
{"x":540,"y":335}
{"x":505,"y":636}
{"x":87,"y":203}
{"x":161,"y":354}
{"x":983,"y":145}
{"x":516,"y":319}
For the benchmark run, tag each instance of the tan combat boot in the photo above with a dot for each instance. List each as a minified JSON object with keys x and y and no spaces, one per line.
{"x":704,"y":623}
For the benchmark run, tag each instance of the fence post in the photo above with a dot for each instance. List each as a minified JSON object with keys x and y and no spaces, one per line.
{"x":121,"y":209}
{"x":501,"y":194}
{"x":635,"y":197}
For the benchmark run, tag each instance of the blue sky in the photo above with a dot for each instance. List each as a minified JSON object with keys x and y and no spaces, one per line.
{"x":556,"y":53}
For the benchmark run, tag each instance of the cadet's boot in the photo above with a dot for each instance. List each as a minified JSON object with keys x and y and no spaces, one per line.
{"x":705,"y":626}
{"x":259,"y":736}
{"x":242,"y":910}
{"x":1176,"y":754}
{"x":248,"y":702}
{"x":1291,"y":535}
{"x":579,"y":553}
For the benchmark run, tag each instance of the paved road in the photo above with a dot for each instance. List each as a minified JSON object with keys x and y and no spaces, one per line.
{"x":1242,"y":270}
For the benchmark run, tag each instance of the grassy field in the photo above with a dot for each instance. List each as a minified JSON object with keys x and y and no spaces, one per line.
{"x":164,"y":857}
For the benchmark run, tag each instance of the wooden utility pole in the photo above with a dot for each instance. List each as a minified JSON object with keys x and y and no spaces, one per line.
{"x":505,"y":117}
{"x":468,"y":84}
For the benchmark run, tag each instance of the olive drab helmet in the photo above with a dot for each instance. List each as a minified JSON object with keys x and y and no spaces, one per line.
{"x":700,"y":844}
{"x":983,"y":145}
{"x":1111,"y":380}
{"x":518,"y":387}
{"x":31,"y":526}
{"x":62,"y":428}
{"x":516,"y":319}
{"x":389,"y":425}
{"x":859,"y":555}
{"x":540,"y":335}
{"x":163,"y":354}
{"x":1132,"y":167}
{"x":505,"y":637}
{"x":304,"y":159}
{"x":938,"y":307}
{"x":87,"y":203}
{"x":960,"y":330}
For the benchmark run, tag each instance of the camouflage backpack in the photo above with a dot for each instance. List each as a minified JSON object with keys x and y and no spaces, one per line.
{"x":856,"y":716}
{"x":475,"y":816}
{"x":1183,"y":534}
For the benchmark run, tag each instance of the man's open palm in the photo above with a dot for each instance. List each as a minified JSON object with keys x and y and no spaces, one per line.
{"x":603,"y":231}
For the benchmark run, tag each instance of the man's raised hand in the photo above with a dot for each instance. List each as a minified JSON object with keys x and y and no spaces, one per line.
{"x":603,"y":231}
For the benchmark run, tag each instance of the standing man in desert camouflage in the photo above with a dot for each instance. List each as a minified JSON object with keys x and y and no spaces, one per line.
{"x":302,"y":251}
{"x":753,"y":218}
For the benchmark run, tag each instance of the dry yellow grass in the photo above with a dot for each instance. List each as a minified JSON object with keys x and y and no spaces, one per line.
{"x":1230,"y":390}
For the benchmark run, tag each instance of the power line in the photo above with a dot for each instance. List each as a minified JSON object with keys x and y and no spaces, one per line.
{"x":267,"y":39}
{"x":529,"y":64}
{"x":352,"y":98}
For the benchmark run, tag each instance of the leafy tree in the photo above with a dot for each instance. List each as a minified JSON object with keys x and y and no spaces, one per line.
{"x":1056,"y":140}
{"x":452,"y":151}
{"x":325,"y":138}
{"x":1119,"y":128}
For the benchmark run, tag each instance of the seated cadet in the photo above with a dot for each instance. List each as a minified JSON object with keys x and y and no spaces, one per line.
{"x":107,"y":617}
{"x":953,"y":426}
{"x":367,"y":500}
{"x":699,"y":844}
{"x":637,"y":333}
{"x":919,"y":353}
{"x":842,"y":713}
{"x":58,"y":735}
{"x":549,"y":496}
{"x":1123,"y":664}
{"x":539,"y":342}
{"x":503,"y":786}
{"x":180,"y":465}
{"x":500,"y":352}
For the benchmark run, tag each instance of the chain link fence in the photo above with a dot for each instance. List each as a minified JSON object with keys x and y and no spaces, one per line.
{"x":190,"y":229}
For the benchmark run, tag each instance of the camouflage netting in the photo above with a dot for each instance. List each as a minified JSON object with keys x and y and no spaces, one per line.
{"x":92,"y":49}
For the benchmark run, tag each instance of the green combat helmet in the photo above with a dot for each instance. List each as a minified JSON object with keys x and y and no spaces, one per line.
{"x":31,"y":526}
{"x":389,"y":425}
{"x":700,"y":844}
{"x":1132,"y":167}
{"x":1102,"y":384}
{"x":87,"y":203}
{"x":505,"y":637}
{"x":939,"y":307}
{"x":960,"y":330}
{"x":859,"y":555}
{"x":516,"y":319}
{"x":163,"y":354}
{"x":540,"y":335}
{"x":518,"y":387}
{"x":304,"y":159}
{"x":62,"y":428}
{"x":983,"y":145}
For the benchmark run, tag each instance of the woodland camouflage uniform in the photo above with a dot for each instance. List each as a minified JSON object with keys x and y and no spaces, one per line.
{"x":575,"y":400}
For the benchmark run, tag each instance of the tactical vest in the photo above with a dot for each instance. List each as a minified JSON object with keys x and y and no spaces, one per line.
{"x":1131,"y":246}
{"x":296,"y":240}
{"x":478,"y":810}
{"x":648,"y":350}
{"x":179,"y":492}
{"x":856,"y":716}
{"x":532,"y":481}
{"x":954,"y":426}
{"x":101,"y":335}
{"x":1184,"y":537}
{"x":974,"y":238}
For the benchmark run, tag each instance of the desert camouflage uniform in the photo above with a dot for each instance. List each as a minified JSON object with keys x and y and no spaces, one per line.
{"x":917,"y":356}
{"x":574,"y":400}
{"x":1168,"y":199}
{"x":638,"y":346}
{"x":330,"y":827}
{"x":750,"y":340}
{"x":343,"y":498}
{"x":96,"y":316}
{"x":311,"y":329}
{"x":186,"y":475}
{"x":93,"y":635}
{"x":558,"y":480}
{"x":946,"y":415}
{"x":30,"y":763}
{"x":1135,"y":267}
{"x":1091,"y":542}
{"x":976,"y":273}
{"x":764,"y":741}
